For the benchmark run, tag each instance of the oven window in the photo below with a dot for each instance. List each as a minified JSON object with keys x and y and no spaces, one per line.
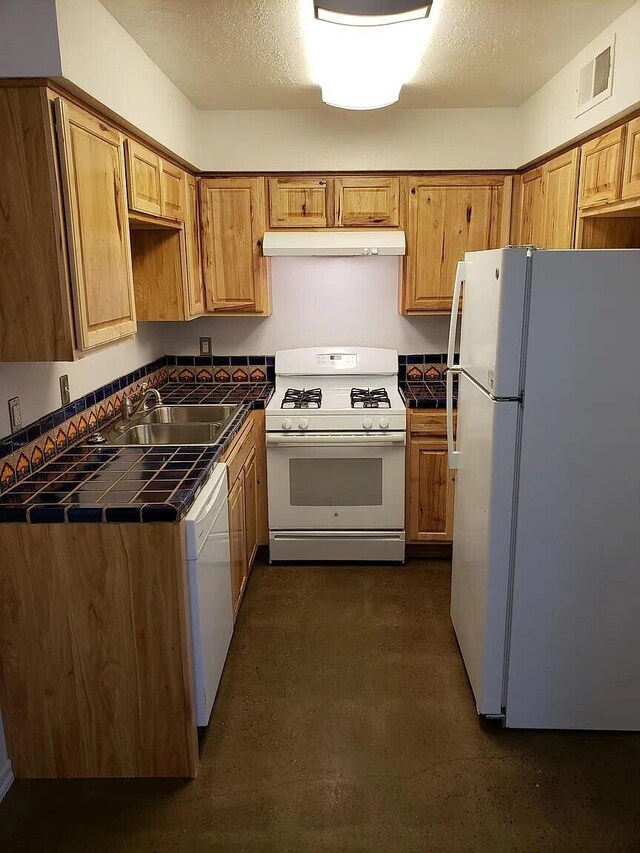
{"x":335,"y":482}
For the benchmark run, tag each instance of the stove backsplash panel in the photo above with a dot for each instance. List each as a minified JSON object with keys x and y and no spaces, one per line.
{"x":427,"y":367}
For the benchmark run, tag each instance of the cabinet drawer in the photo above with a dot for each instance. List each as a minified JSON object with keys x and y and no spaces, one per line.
{"x":430,"y":424}
{"x":238,"y":452}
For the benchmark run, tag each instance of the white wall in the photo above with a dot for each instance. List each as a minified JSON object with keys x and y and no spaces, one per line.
{"x":100,"y":57}
{"x":29,"y":39}
{"x":319,"y":301}
{"x":330,"y":139}
{"x":548,"y":117}
{"x":37,"y":384}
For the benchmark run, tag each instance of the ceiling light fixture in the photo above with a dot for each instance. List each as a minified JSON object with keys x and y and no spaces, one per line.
{"x":361,"y":52}
{"x":371,"y":13}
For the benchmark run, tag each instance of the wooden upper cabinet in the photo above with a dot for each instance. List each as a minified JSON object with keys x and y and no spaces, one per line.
{"x":445,"y":220}
{"x":362,"y":202}
{"x":560,"y":191}
{"x":144,"y":170}
{"x":631,"y":175}
{"x":299,"y":202}
{"x":93,"y":180}
{"x":172,"y":180}
{"x":195,"y":287}
{"x":233,"y":221}
{"x":601,"y":171}
{"x":531,"y":209}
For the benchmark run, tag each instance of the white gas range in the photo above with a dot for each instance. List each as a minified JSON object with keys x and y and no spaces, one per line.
{"x":336,"y":435}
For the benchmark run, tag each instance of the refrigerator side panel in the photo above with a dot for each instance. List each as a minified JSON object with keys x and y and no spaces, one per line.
{"x":486,"y":442}
{"x":493,"y":303}
{"x":575,"y":621}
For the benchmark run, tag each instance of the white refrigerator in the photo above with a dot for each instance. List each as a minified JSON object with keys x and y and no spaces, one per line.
{"x":545,"y":596}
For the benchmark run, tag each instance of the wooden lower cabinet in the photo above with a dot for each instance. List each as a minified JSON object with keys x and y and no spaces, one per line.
{"x":95,"y":651}
{"x":430,"y":482}
{"x":243,"y":463}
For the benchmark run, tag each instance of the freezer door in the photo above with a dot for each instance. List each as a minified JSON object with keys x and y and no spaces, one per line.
{"x":482,"y":535}
{"x":493,"y":306}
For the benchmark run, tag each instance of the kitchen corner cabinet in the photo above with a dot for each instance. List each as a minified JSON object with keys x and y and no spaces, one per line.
{"x":430,"y":482}
{"x":446,"y":218}
{"x":242,"y":462}
{"x":195,"y":288}
{"x":232,"y":225}
{"x":93,"y":179}
{"x":546,"y":210}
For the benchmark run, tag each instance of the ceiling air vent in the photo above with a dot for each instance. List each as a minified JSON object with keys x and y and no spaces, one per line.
{"x":596,"y":79}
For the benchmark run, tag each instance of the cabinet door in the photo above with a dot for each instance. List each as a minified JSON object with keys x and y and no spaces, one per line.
{"x":560,"y":191}
{"x":444,"y":223}
{"x":236,"y":275}
{"x":361,"y":202}
{"x":298,"y":203}
{"x":93,"y":179}
{"x":237,"y":542}
{"x":431,"y":484}
{"x":601,"y":171}
{"x":143,"y":179}
{"x":631,"y":179}
{"x":173,"y":194}
{"x":195,"y":287}
{"x":251,"y":507}
{"x":531,"y":212}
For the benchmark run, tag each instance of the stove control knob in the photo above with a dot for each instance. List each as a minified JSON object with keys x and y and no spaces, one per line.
{"x":384,"y":423}
{"x":367,"y":423}
{"x":287,"y":423}
{"x":304,"y":423}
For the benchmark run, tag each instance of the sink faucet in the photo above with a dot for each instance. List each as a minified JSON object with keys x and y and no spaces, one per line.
{"x":129,"y":409}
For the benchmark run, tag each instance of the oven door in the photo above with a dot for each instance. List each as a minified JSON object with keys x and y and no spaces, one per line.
{"x":324,"y":481}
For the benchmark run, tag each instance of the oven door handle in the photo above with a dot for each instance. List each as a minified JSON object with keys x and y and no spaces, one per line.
{"x":331,"y":440}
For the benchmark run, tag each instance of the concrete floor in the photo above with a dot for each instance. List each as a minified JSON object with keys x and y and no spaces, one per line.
{"x":344,"y":722}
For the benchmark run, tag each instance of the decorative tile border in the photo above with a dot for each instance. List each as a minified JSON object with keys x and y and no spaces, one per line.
{"x":221,"y":368}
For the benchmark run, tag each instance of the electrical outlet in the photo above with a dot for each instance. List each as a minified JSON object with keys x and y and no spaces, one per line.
{"x":205,"y":346}
{"x":65,"y":396}
{"x":15,"y":414}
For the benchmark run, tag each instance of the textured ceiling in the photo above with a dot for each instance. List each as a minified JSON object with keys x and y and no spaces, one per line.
{"x":250,"y":54}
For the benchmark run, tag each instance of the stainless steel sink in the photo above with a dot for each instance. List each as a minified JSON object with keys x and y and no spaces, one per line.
{"x":187,"y":414}
{"x":172,"y":425}
{"x":168,"y":433}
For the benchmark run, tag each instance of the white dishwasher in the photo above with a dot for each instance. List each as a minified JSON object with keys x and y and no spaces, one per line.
{"x":209,"y":567}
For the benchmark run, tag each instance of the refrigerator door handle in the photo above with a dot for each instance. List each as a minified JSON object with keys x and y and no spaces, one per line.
{"x":461,"y":273}
{"x":452,"y":453}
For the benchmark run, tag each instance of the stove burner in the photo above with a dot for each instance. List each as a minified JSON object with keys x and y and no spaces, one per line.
{"x":302,"y":399}
{"x":366,"y":398}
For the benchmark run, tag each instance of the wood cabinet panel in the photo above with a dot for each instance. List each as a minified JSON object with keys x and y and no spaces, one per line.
{"x":144,"y":171}
{"x":631,"y":175}
{"x":250,"y":473}
{"x":95,"y":662}
{"x":531,"y":212}
{"x":195,"y":288}
{"x":93,"y":178}
{"x":159,"y":274}
{"x":444,"y":223}
{"x":261,"y":456}
{"x":173,"y":191}
{"x":35,"y":298}
{"x":431,"y":486}
{"x":237,"y":541}
{"x":236,"y":275}
{"x":299,"y":202}
{"x":363,"y":202}
{"x":560,"y":192}
{"x":601,"y":170}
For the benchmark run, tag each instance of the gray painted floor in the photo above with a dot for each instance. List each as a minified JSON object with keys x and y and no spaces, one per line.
{"x":344,"y":722}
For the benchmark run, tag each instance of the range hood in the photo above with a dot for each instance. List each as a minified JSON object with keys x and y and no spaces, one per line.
{"x":334,"y":243}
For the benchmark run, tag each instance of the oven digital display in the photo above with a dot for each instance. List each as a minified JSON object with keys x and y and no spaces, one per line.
{"x":337,"y":360}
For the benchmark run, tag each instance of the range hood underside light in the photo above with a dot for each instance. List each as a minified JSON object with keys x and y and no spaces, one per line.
{"x":371,"y":13}
{"x":333,"y":243}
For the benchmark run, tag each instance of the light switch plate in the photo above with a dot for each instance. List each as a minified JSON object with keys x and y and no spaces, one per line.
{"x":15,"y":414}
{"x":205,"y":346}
{"x":65,"y":396}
